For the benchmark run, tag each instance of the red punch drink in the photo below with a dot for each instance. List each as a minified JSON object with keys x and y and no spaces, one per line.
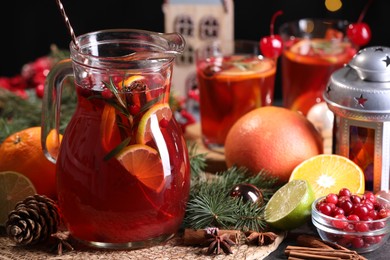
{"x":313,"y":50}
{"x":123,"y":172}
{"x":229,"y":87}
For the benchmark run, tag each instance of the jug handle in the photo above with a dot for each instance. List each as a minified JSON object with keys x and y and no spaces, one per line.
{"x":51,"y":104}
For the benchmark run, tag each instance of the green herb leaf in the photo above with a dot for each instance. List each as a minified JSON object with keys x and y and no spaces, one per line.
{"x":117,"y":149}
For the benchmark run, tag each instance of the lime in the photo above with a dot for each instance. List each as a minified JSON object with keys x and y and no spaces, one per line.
{"x":14,"y":187}
{"x":290,"y":206}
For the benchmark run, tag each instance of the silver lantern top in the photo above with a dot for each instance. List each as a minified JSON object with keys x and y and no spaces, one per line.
{"x":361,"y":89}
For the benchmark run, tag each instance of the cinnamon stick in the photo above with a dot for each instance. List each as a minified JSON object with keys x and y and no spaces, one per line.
{"x":194,"y":237}
{"x":311,"y":241}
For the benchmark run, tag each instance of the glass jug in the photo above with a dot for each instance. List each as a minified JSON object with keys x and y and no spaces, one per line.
{"x":122,"y":168}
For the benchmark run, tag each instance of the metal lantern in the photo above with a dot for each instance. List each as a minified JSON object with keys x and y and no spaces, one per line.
{"x":359,"y":97}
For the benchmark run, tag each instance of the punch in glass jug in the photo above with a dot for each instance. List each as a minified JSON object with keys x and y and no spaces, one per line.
{"x":123,"y":168}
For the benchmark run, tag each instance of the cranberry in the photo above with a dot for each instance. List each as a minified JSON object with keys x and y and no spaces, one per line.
{"x":163,"y":123}
{"x":39,"y":90}
{"x":346,"y":205}
{"x":134,"y":109}
{"x":107,"y":94}
{"x":353,"y":217}
{"x":355,"y":199}
{"x":384,"y":213}
{"x":344,"y":192}
{"x":332,"y":198}
{"x":373,"y":214}
{"x":338,"y":211}
{"x":272,"y":46}
{"x":357,"y":242}
{"x":325,"y":209}
{"x":340,"y":222}
{"x":362,"y":227}
{"x":360,"y":210}
{"x":369,"y":196}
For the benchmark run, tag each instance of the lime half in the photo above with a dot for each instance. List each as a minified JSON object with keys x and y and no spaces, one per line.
{"x":14,"y":187}
{"x":290,"y":206}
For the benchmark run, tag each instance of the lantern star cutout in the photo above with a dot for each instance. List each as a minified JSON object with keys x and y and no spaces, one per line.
{"x":387,"y":61}
{"x":328,"y":89}
{"x":361,"y":100}
{"x":379,"y":49}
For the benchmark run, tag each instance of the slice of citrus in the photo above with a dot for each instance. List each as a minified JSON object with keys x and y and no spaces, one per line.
{"x":14,"y":187}
{"x":249,"y":69}
{"x":319,"y":51}
{"x":130,"y":80}
{"x":328,"y":173}
{"x":109,"y":131}
{"x":144,"y":132}
{"x":144,"y":163}
{"x":290,"y":206}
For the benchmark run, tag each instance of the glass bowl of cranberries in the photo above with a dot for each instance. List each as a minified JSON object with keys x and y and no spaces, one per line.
{"x":359,"y":222}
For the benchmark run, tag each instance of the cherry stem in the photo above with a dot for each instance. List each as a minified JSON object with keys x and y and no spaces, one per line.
{"x":273,"y":19}
{"x":364,"y":11}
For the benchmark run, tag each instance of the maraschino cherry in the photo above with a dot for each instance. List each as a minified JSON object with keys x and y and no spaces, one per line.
{"x":360,"y":33}
{"x":271,"y":46}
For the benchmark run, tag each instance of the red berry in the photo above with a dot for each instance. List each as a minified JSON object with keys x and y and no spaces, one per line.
{"x":338,"y":211}
{"x":325,"y":208}
{"x":39,"y":90}
{"x":384,"y":213}
{"x":332,"y":198}
{"x":107,"y":94}
{"x":344,"y":192}
{"x":340,"y":222}
{"x":272,"y":46}
{"x":356,"y":199}
{"x":346,"y":205}
{"x":134,"y":109}
{"x":163,"y":123}
{"x":361,"y":227}
{"x":360,"y":210}
{"x":353,"y":217}
{"x":357,"y":242}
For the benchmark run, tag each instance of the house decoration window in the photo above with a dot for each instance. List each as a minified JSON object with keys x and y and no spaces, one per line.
{"x":209,"y":28}
{"x":184,"y":25}
{"x":187,"y":58}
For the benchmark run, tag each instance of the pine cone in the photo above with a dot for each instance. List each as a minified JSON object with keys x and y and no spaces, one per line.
{"x":33,"y":220}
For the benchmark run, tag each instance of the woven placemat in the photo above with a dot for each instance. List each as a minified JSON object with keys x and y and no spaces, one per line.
{"x":172,"y":249}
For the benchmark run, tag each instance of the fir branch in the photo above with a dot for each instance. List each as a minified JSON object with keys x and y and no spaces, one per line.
{"x":210,"y":203}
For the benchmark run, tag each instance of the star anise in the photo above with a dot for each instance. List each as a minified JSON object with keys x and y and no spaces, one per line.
{"x":218,"y":243}
{"x":260,"y":238}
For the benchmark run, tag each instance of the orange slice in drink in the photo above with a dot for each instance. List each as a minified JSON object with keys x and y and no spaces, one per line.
{"x":144,"y":163}
{"x":109,"y":131}
{"x":14,"y":187}
{"x":319,"y":51}
{"x":144,"y":132}
{"x":328,"y":173}
{"x":248,"y":69}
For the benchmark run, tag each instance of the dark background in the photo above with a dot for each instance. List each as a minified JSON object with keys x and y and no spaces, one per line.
{"x":28,"y":28}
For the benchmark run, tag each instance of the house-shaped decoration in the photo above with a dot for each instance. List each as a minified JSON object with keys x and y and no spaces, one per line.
{"x":198,"y":21}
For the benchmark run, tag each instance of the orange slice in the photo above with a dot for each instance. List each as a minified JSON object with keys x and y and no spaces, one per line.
{"x":144,"y":163}
{"x":249,"y":69}
{"x":328,"y":173}
{"x":109,"y":131}
{"x":319,"y":51}
{"x":144,"y":132}
{"x":14,"y":187}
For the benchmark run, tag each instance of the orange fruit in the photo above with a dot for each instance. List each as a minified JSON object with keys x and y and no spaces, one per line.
{"x":153,"y":116}
{"x":22,"y":152}
{"x":144,"y":163}
{"x":328,"y":173}
{"x":109,"y":131}
{"x":14,"y":187}
{"x":273,"y":139}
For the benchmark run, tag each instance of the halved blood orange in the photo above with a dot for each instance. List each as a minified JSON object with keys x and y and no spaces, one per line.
{"x":144,"y":133}
{"x":109,"y":130}
{"x":144,"y":163}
